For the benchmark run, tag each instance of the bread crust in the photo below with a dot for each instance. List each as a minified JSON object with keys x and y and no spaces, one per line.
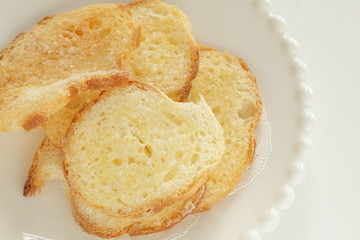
{"x":35,"y":180}
{"x":46,"y":156}
{"x":131,"y":226}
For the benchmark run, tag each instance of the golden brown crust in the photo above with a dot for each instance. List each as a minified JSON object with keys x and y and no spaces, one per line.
{"x":86,"y":223}
{"x":35,"y":180}
{"x":45,"y":19}
{"x":141,"y":2}
{"x":251,"y":150}
{"x":174,"y":219}
{"x":204,"y":48}
{"x":34,"y":121}
{"x":73,"y":92}
{"x":195,"y":60}
{"x":106,"y":82}
{"x":135,"y":226}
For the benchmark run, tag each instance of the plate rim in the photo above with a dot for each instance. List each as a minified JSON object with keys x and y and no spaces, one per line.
{"x":296,"y":171}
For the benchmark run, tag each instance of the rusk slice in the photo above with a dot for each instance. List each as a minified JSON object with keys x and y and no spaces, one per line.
{"x":135,"y":151}
{"x":48,"y":164}
{"x":168,"y":55}
{"x":62,"y":56}
{"x":230,"y":89}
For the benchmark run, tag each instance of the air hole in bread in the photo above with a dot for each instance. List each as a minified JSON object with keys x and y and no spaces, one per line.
{"x":170,"y":174}
{"x":194,"y":158}
{"x":94,"y":24}
{"x":216,"y":110}
{"x":148,"y":151}
{"x":79,"y":32}
{"x":83,"y":148}
{"x":248,"y":109}
{"x":174,"y":94}
{"x":138,"y":72}
{"x":173,"y":41}
{"x":202,"y":133}
{"x":179,"y":156}
{"x":117,"y":162}
{"x":131,"y":160}
{"x":66,"y":35}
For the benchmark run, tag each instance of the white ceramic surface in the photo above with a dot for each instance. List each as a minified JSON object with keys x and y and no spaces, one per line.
{"x":245,"y":28}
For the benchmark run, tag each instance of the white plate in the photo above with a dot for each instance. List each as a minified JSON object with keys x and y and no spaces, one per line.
{"x":244,"y":28}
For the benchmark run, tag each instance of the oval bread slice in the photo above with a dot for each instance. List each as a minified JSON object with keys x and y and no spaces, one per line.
{"x":48,"y":164}
{"x":63,"y":55}
{"x":168,"y":55}
{"x":230,"y":89}
{"x":135,"y":151}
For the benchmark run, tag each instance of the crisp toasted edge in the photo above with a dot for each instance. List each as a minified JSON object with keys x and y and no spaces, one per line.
{"x":175,"y":219}
{"x":194,"y":59}
{"x":90,"y":227}
{"x":157,"y":205}
{"x":38,"y":174}
{"x":35,"y":180}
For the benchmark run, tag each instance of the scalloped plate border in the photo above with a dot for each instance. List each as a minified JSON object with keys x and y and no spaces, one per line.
{"x":296,"y":171}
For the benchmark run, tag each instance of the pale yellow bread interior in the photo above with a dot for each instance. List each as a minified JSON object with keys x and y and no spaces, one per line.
{"x":230,"y":89}
{"x":135,"y":151}
{"x":62,"y":56}
{"x":168,"y":55}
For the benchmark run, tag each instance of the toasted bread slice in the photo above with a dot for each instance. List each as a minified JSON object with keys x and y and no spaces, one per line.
{"x":168,"y":55}
{"x":60,"y":121}
{"x":48,"y":164}
{"x":230,"y":89}
{"x":63,"y":55}
{"x":135,"y":151}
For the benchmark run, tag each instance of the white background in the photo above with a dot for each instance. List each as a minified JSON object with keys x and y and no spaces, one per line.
{"x":327,"y":204}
